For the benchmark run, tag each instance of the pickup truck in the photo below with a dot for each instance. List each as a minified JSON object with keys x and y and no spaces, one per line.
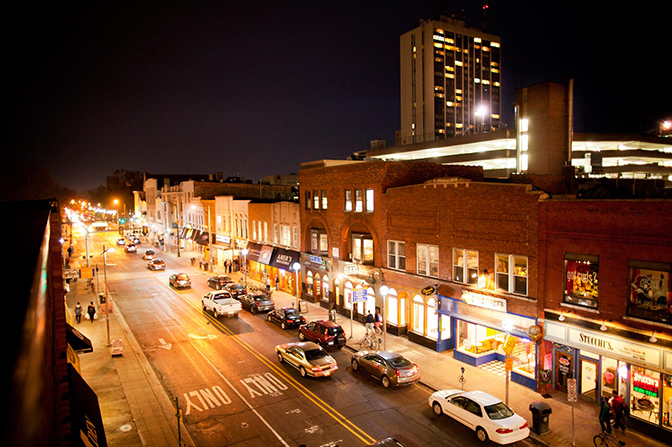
{"x":221,"y":303}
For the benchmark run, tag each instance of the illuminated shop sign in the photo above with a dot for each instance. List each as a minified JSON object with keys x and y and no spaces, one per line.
{"x":645,"y":384}
{"x":486,"y":301}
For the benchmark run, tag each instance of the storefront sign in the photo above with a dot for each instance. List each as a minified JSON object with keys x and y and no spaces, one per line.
{"x":487,"y":301}
{"x":597,"y":342}
{"x":534,"y":332}
{"x":223,"y":239}
{"x":429,"y":290}
{"x":265,"y":254}
{"x":572,"y":395}
{"x":285,"y":259}
{"x":645,"y":384}
{"x":350,"y":269}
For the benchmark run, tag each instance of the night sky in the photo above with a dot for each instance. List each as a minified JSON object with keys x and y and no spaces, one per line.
{"x":255,"y":88}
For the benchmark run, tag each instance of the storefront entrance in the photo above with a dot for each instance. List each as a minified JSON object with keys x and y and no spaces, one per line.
{"x":588,"y":379}
{"x":564,"y":365}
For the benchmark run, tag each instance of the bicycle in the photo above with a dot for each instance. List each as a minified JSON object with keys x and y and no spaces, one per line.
{"x":370,"y":341}
{"x":90,"y":285}
{"x":605,"y":439}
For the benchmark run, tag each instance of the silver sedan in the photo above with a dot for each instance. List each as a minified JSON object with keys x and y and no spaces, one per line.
{"x":309,"y":358}
{"x":390,"y":368}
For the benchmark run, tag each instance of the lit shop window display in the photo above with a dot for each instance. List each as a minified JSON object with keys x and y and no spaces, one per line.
{"x":649,"y":294}
{"x":645,"y":390}
{"x":667,"y":401}
{"x":581,"y":280}
{"x":476,"y":341}
{"x":614,"y":377}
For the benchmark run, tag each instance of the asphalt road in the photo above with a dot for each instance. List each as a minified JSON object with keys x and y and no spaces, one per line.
{"x":231,"y":388}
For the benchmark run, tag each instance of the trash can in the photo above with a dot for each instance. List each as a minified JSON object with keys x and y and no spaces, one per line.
{"x":540,"y":411}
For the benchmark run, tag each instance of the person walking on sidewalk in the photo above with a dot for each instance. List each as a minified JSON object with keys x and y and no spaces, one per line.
{"x":78,"y":313}
{"x":277,"y":282}
{"x":605,"y":415}
{"x":618,"y":405}
{"x":369,"y":323}
{"x":378,"y":320}
{"x":91,"y":310}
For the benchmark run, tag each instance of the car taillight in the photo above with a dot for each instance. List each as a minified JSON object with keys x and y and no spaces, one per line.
{"x":524,"y":425}
{"x":502,"y":431}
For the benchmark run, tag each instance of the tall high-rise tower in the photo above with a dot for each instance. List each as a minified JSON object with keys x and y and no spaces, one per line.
{"x":450,"y":81}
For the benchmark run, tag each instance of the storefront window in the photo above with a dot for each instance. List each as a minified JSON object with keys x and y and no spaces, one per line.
{"x":432,"y":319}
{"x":370,"y":305}
{"x":317,"y":283}
{"x":476,"y":339}
{"x":392,"y":308}
{"x":347,"y":295}
{"x":445,"y":327}
{"x":667,"y":401}
{"x":645,"y":389}
{"x":325,"y":287}
{"x":309,"y":283}
{"x":418,"y":315}
{"x":581,"y":280}
{"x":649,"y":288}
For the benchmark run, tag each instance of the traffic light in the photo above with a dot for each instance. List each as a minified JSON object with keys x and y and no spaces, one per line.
{"x":122,"y":220}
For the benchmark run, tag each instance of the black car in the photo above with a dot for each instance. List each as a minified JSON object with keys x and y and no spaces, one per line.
{"x":256,"y":302}
{"x":287,"y":317}
{"x":235,"y":289}
{"x":219,"y":281}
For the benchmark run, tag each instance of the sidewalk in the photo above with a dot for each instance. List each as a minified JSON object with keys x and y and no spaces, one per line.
{"x":137,"y":411}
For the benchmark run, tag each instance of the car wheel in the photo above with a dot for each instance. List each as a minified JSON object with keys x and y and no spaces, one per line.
{"x":482,"y":434}
{"x":437,"y":409}
{"x":385,"y":381}
{"x":253,"y":309}
{"x":204,"y":308}
{"x":355,"y":365}
{"x":269,"y":317}
{"x":303,"y":372}
{"x":301,"y":336}
{"x":283,"y":325}
{"x":280,"y":359}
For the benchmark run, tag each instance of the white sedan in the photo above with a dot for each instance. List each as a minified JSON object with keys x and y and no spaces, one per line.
{"x":488,"y":416}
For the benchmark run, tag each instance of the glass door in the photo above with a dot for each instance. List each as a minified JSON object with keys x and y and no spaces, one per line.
{"x":564,"y":367}
{"x":588,"y":380}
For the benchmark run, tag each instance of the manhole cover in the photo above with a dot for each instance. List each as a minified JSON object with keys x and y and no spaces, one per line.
{"x":127,"y":427}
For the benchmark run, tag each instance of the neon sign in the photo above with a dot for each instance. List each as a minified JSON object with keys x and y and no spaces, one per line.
{"x":645,"y":384}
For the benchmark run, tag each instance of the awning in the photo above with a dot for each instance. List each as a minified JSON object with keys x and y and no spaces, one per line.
{"x":195,"y":235}
{"x":253,"y":250}
{"x":203,"y":238}
{"x":77,"y":341}
{"x":86,"y":420}
{"x":183,"y":233}
{"x":285,"y":259}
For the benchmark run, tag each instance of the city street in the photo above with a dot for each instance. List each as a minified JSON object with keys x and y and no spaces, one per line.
{"x":226,"y":378}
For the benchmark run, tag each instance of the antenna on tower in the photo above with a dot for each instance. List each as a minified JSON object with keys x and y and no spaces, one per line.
{"x":485,"y":15}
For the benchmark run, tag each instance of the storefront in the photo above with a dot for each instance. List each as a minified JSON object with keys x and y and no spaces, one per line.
{"x":603,"y":363}
{"x":273,"y":266}
{"x":317,"y":286}
{"x":482,"y":331}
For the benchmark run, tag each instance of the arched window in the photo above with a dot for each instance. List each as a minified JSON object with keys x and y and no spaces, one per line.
{"x":347,"y":295}
{"x":418,"y":315}
{"x":337,"y":290}
{"x":403,"y":312}
{"x":392,"y":308}
{"x":317,"y":284}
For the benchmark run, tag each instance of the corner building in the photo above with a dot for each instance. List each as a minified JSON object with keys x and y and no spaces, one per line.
{"x":458,"y":256}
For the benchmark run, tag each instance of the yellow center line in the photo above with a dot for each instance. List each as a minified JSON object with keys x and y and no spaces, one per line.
{"x":338,"y":417}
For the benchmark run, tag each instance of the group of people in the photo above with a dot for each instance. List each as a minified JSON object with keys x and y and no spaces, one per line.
{"x":612,"y":408}
{"x":373,"y":322}
{"x":90,"y":311}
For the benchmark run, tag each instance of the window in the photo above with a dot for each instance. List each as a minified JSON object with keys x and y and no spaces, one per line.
{"x":324,"y":243}
{"x":319,"y":241}
{"x":396,"y":255}
{"x":465,"y":266}
{"x":428,"y":260}
{"x":418,"y":315}
{"x":348,"y":200}
{"x":285,"y":238}
{"x":254,"y":230}
{"x":358,"y":200}
{"x":581,"y":280}
{"x":307,"y":200}
{"x":276,"y":234}
{"x":511,"y":273}
{"x":649,"y":287}
{"x":362,"y":248}
{"x":324,"y":199}
{"x":316,"y":200}
{"x":369,"y":200}
{"x":295,"y":236}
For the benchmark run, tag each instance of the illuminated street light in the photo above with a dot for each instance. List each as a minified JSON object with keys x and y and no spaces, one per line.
{"x":296,"y":266}
{"x":384,"y":290}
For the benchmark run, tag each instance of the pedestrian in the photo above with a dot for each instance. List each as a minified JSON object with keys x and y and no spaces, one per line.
{"x":605,"y":415}
{"x":618,"y":405}
{"x":268,"y":284}
{"x":78,"y":313}
{"x":91,"y":310}
{"x":277,"y":282}
{"x":369,"y":323}
{"x":378,"y":320}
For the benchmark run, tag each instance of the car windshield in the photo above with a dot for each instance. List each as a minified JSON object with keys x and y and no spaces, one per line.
{"x":237,"y":286}
{"x":498,"y":411}
{"x":315,"y":354}
{"x":400,"y":362}
{"x":262,"y":298}
{"x":291,"y":312}
{"x":149,"y":252}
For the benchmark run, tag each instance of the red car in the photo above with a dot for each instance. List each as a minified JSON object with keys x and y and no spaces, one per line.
{"x":323,"y":332}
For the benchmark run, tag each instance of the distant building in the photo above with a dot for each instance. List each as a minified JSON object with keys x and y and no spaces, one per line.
{"x":450,"y":81}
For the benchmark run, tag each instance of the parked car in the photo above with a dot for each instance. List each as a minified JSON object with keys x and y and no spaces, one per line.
{"x":491,"y":418}
{"x":135,"y":239}
{"x":149,"y":254}
{"x":390,"y":368}
{"x":235,"y":289}
{"x":309,"y":358}
{"x":220,"y":303}
{"x":323,"y":332}
{"x":256,"y":302}
{"x":121,"y":241}
{"x":131,"y":248}
{"x":287,"y":317}
{"x":387,"y":442}
{"x":219,"y":281}
{"x":156,"y":264}
{"x":179,"y":280}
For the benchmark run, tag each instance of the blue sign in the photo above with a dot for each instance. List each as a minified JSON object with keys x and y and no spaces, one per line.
{"x":359,"y":296}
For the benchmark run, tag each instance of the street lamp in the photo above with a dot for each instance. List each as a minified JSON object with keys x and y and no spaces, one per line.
{"x":384,"y":291}
{"x":244,"y":253}
{"x":296,"y":266}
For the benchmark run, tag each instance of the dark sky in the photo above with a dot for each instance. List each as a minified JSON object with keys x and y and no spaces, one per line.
{"x":256,"y":88}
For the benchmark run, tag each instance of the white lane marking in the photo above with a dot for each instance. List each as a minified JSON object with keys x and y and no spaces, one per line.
{"x":165,"y":345}
{"x":208,"y":398}
{"x":202,"y":337}
{"x":261,"y":418}
{"x":267,"y":384}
